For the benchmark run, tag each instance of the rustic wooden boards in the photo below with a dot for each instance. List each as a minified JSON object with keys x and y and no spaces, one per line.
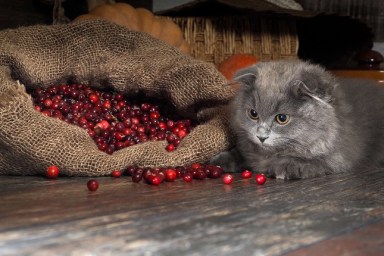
{"x":61,"y":217}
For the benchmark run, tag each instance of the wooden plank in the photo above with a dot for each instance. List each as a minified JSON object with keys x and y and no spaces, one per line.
{"x":62,"y":217}
{"x":363,"y":241}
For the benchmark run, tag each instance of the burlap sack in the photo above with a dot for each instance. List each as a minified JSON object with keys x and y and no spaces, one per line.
{"x":98,"y":53}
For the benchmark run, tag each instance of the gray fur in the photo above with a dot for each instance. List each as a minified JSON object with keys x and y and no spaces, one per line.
{"x":335,"y":125}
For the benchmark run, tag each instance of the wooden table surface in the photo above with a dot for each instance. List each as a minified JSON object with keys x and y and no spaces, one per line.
{"x":333,"y":215}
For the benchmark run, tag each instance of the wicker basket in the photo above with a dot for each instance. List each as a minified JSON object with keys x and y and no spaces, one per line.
{"x":213,"y":39}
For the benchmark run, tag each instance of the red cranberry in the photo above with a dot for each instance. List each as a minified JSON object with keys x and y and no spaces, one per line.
{"x":145,"y":107}
{"x":154,"y":115}
{"x":182,"y":134}
{"x":170,"y":124}
{"x":93,"y":98}
{"x":47,"y":103}
{"x":116,"y":173}
{"x":187,"y":177}
{"x":176,"y":142}
{"x":171,"y":138}
{"x":52,"y":172}
{"x":119,"y":136}
{"x":228,"y":179}
{"x":154,"y":180}
{"x":196,"y":165}
{"x":260,"y":178}
{"x":216,"y":172}
{"x":170,"y":147}
{"x":46,"y":112}
{"x":147,"y":173}
{"x":135,"y":120}
{"x":107,"y":104}
{"x":162,"y":126}
{"x":191,"y":171}
{"x":92,"y":185}
{"x":161,"y":176}
{"x":137,"y":177}
{"x":246,"y":174}
{"x":180,"y":170}
{"x":103,"y":125}
{"x":200,"y":174}
{"x":130,"y":170}
{"x":170,"y":175}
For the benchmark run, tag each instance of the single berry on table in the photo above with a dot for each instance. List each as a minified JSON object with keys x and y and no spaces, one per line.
{"x":116,"y":173}
{"x":92,"y":185}
{"x":52,"y":172}
{"x":260,"y":179}
{"x":246,"y":174}
{"x":228,"y":179}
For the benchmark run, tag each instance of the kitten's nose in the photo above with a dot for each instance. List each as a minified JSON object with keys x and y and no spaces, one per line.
{"x":262,"y":139}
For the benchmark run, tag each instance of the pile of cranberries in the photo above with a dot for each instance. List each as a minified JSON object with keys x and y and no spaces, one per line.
{"x":113,"y":120}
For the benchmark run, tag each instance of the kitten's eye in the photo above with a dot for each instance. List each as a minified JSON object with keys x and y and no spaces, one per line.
{"x":282,"y":119}
{"x":253,"y":114}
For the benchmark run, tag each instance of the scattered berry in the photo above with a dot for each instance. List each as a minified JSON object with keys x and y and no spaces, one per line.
{"x":92,"y":185}
{"x":154,"y":180}
{"x":227,"y":179}
{"x":170,"y":175}
{"x":260,"y":179}
{"x":246,"y":174}
{"x":116,"y":174}
{"x":52,"y":172}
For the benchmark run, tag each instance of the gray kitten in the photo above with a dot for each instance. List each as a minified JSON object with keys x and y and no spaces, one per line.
{"x":293,"y":119}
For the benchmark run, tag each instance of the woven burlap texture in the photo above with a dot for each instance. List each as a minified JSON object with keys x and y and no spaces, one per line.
{"x":101,"y":54}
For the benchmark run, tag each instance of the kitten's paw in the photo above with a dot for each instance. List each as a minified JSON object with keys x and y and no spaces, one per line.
{"x":230,"y":161}
{"x":296,"y":170}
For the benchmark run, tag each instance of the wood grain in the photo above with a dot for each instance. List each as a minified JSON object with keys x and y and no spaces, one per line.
{"x":61,"y":217}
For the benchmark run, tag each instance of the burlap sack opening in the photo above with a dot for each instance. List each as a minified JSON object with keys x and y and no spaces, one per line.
{"x":101,"y":54}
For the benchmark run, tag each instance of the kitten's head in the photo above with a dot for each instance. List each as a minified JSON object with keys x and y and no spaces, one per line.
{"x":285,"y":105}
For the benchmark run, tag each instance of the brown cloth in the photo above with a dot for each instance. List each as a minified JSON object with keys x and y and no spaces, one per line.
{"x":101,"y":54}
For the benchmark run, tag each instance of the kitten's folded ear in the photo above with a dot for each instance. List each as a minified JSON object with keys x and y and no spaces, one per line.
{"x":245,"y":77}
{"x":314,"y":84}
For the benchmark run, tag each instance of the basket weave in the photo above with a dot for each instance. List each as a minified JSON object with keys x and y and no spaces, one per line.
{"x":214,"y":39}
